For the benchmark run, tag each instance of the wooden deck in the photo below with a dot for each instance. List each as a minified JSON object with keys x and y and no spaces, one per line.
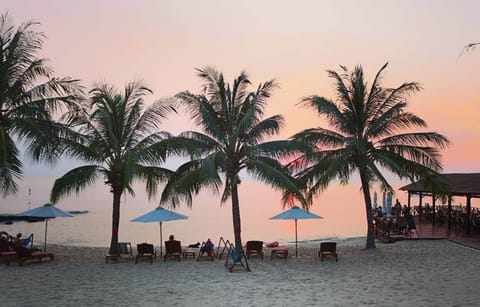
{"x":426,"y":230}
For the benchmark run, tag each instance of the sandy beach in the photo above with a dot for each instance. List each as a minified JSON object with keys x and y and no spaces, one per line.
{"x":407,"y":273}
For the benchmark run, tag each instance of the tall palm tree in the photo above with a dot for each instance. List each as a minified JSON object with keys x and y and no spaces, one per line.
{"x":231,"y":142}
{"x":118,"y":136}
{"x":370,"y":134}
{"x":29,"y":98}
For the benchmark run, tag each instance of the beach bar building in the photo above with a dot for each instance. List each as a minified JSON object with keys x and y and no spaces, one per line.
{"x":457,"y":185}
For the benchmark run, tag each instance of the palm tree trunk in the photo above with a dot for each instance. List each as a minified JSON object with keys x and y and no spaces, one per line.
{"x":236,"y":218}
{"x":115,"y":221}
{"x":368,"y":207}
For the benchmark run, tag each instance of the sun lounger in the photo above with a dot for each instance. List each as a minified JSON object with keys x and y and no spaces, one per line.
{"x":145,"y":251}
{"x":254,"y":248}
{"x":328,"y":249}
{"x":281,"y":252}
{"x":173,"y":249}
{"x":24,"y":254}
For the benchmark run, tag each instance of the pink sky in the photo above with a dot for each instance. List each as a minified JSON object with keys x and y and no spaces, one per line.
{"x":162,"y":42}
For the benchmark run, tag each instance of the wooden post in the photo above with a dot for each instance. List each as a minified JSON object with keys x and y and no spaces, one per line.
{"x":469,"y":209}
{"x":433,"y":209}
{"x":449,"y":212}
{"x":420,"y":196}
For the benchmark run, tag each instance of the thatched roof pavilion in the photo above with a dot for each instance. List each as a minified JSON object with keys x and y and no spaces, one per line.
{"x":459,"y":184}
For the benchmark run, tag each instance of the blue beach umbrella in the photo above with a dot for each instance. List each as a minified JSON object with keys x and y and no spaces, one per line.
{"x":47,"y":211}
{"x":295,"y":213}
{"x":160,"y":215}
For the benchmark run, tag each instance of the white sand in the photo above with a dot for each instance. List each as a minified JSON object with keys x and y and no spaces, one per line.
{"x":413,"y":273}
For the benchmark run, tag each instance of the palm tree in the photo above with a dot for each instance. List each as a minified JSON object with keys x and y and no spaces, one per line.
{"x":369,"y":135}
{"x":231,"y":142}
{"x":470,"y":46}
{"x":117,"y":137}
{"x":29,"y":98}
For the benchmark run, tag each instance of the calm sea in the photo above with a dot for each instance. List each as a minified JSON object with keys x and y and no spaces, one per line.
{"x":341,"y":207}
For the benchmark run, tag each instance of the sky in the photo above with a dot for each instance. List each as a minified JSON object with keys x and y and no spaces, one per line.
{"x":293,"y":42}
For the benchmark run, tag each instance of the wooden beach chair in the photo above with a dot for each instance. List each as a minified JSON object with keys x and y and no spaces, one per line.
{"x":254,"y":248}
{"x":145,"y":251}
{"x":24,"y":254}
{"x":328,"y":249}
{"x":173,"y":249}
{"x":7,"y":252}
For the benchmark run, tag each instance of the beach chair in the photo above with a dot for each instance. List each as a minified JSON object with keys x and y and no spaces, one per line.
{"x":173,"y":249}
{"x":24,"y":254}
{"x":328,"y":249}
{"x":254,"y":248}
{"x":7,"y":251}
{"x":235,"y":259}
{"x":124,"y":251}
{"x":145,"y":251}
{"x":279,"y":252}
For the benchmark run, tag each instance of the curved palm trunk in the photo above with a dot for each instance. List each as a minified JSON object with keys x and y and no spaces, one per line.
{"x":368,"y":207}
{"x":236,"y":219}
{"x":115,"y":220}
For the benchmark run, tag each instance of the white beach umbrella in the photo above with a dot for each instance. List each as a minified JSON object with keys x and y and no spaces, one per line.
{"x":47,"y":211}
{"x":295,"y":213}
{"x":160,"y":215}
{"x":389,"y":204}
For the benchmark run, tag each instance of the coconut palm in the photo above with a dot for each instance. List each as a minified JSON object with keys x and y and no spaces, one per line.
{"x":29,"y":98}
{"x":118,"y":137}
{"x":232,"y":141}
{"x":369,"y":135}
{"x":470,"y":46}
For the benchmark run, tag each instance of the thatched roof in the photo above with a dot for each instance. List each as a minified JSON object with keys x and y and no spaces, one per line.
{"x":458,"y":185}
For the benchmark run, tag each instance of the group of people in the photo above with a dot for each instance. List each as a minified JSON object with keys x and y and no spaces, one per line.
{"x":400,"y":220}
{"x":11,"y":243}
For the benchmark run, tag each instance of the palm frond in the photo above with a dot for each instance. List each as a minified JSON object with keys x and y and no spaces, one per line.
{"x":76,"y":180}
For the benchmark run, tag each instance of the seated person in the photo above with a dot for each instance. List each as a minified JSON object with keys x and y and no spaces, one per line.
{"x":20,"y":242}
{"x":208,"y":248}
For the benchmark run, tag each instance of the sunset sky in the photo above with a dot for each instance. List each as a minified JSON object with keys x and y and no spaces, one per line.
{"x":294,"y":42}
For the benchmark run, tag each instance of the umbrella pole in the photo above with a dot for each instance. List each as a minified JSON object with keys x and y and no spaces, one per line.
{"x":296,"y":240}
{"x":45,"y":243}
{"x":161,"y":240}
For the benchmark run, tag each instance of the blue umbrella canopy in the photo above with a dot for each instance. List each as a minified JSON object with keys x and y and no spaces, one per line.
{"x":47,"y":211}
{"x":296,"y":213}
{"x":160,"y":215}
